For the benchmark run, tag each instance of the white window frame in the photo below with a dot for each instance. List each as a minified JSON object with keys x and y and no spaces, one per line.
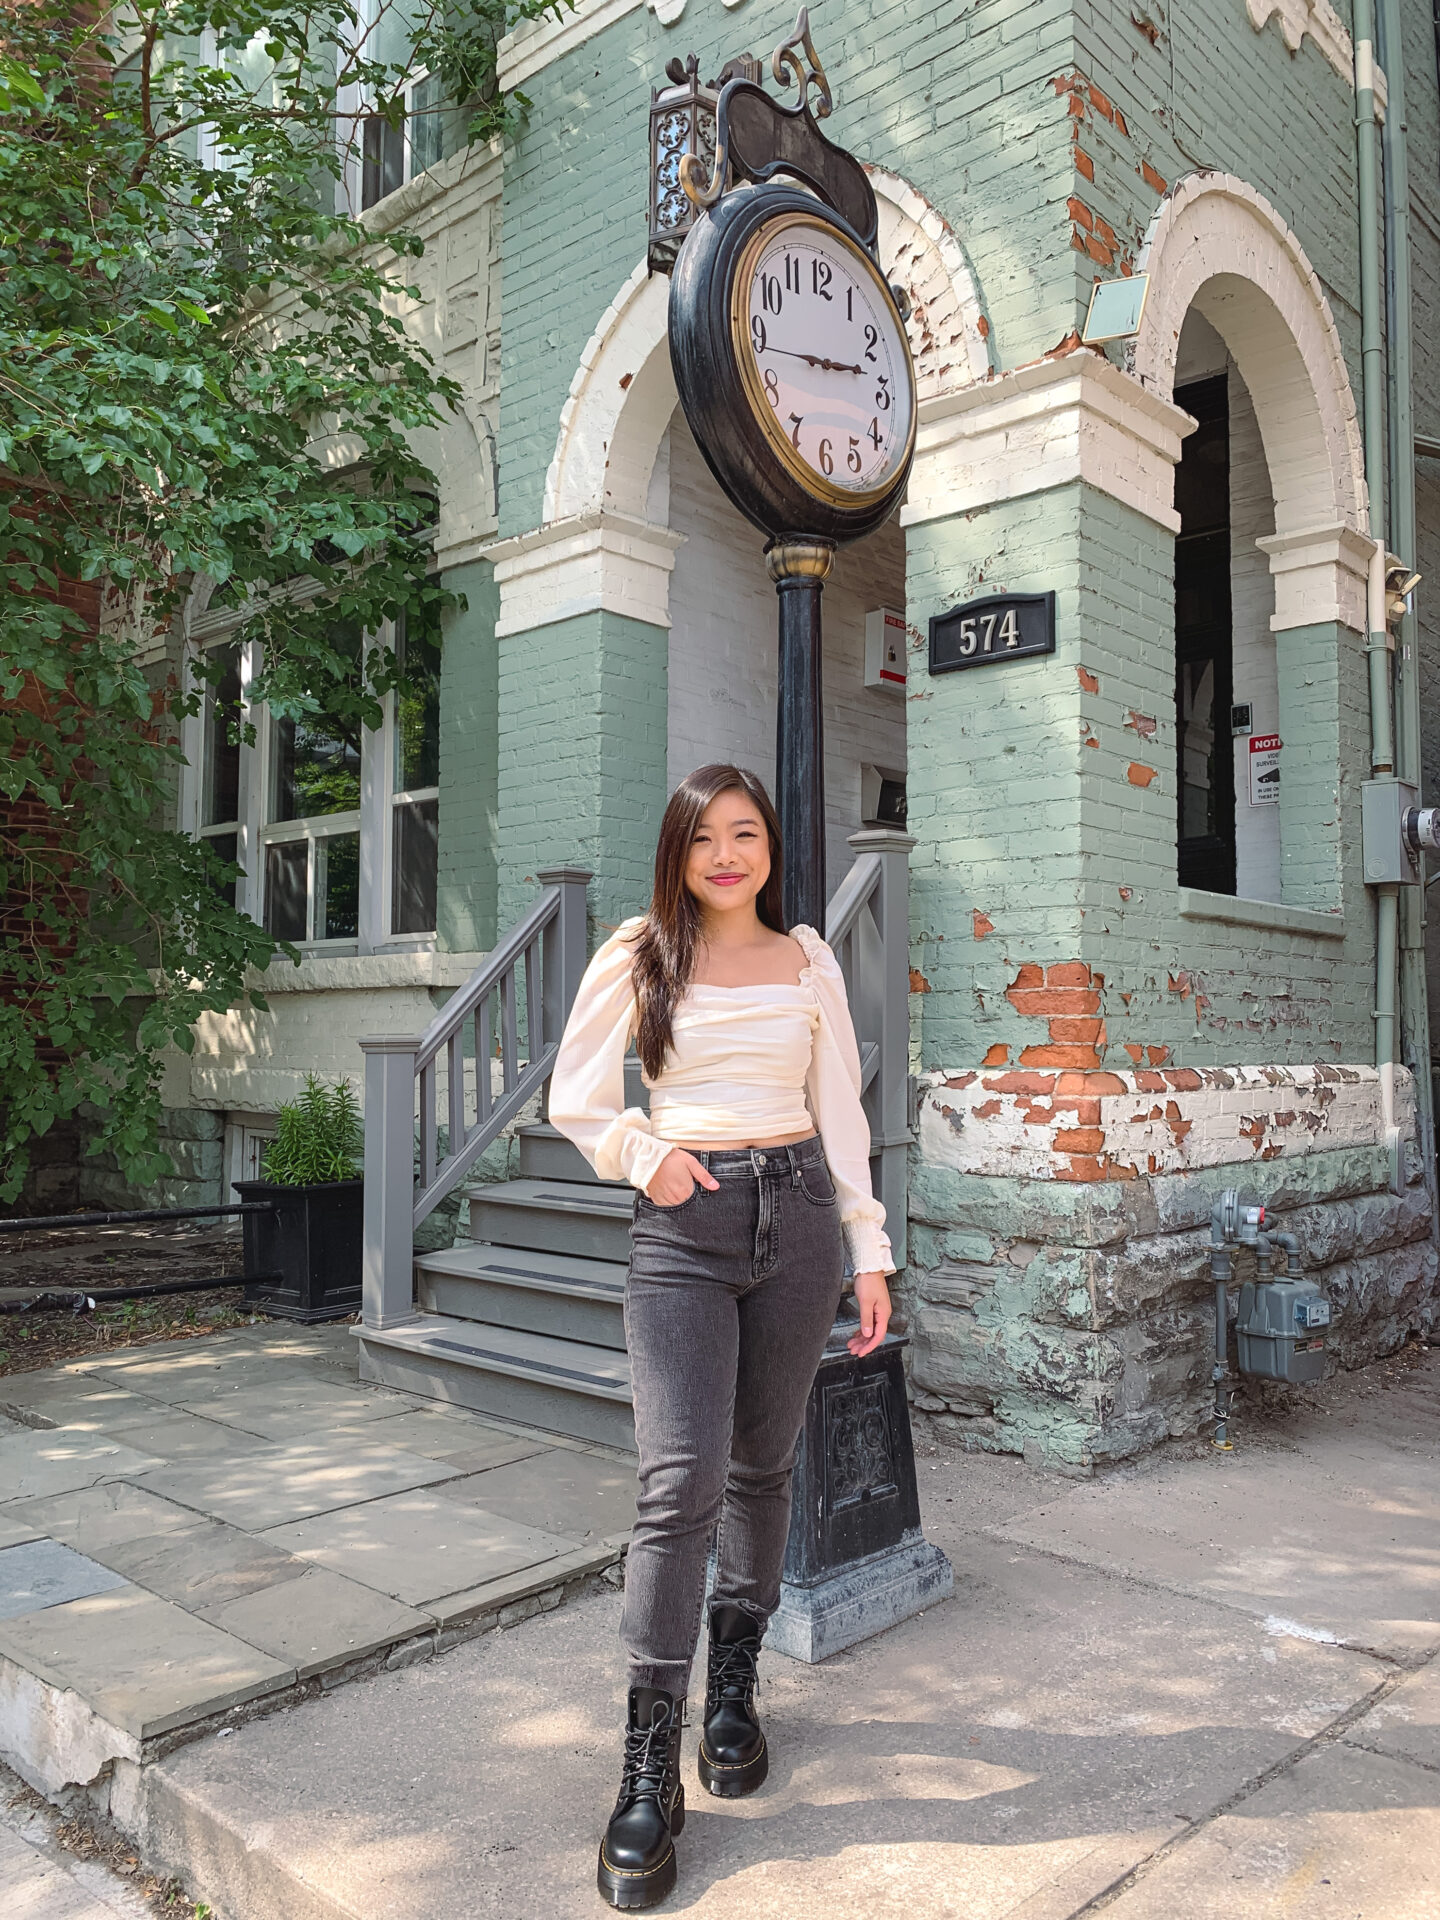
{"x":374,"y":819}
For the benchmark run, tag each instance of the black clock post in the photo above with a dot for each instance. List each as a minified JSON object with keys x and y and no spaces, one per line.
{"x":799,"y":569}
{"x":856,"y":1561}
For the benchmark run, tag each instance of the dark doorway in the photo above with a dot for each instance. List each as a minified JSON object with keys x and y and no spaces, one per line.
{"x":1204,"y":672}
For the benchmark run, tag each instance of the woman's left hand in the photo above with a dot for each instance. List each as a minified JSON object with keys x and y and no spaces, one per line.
{"x":872,"y":1296}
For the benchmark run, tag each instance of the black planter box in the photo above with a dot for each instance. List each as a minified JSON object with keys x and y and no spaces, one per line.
{"x":312,"y":1240}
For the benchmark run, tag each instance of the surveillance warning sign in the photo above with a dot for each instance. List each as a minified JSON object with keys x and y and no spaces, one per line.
{"x":1265,"y":769}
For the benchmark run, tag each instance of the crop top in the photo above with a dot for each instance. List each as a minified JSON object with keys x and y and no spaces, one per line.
{"x":746,"y":1063}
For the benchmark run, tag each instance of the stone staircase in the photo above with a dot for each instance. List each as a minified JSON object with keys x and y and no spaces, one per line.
{"x":524,"y":1319}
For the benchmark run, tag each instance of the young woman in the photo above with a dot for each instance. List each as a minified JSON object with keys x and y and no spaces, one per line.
{"x":754,"y":1182}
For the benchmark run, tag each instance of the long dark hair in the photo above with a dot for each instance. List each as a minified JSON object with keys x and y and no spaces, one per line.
{"x":666,"y":944}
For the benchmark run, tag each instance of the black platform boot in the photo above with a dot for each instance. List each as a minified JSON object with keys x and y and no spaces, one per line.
{"x":733,"y":1756}
{"x":637,"y":1856}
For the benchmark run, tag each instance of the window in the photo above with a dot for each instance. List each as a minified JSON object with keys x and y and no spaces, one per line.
{"x":346,"y":820}
{"x":1204,"y":665}
{"x":393,"y":154}
{"x":220,"y":794}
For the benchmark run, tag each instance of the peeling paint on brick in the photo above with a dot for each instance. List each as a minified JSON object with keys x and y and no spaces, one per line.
{"x":1138,"y":774}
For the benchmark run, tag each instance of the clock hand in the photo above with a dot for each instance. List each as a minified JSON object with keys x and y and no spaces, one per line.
{"x":816,"y":360}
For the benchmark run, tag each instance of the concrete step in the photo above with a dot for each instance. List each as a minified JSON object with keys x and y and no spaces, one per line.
{"x":545,"y":1154}
{"x":557,"y":1294}
{"x":553,"y":1216}
{"x":563,"y":1386}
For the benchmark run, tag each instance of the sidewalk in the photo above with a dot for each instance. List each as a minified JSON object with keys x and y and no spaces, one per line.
{"x":201,"y":1528}
{"x":1201,"y":1688}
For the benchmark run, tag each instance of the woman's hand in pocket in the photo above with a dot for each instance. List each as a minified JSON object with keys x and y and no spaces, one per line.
{"x":677,"y":1177}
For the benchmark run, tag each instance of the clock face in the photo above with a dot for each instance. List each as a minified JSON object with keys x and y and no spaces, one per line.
{"x":824,"y":358}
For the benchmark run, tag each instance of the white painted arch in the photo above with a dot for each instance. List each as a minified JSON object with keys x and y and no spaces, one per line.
{"x":1218,"y":245}
{"x":623,"y":393}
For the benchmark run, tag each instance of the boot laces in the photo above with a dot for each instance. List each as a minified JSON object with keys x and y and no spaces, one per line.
{"x":732,"y":1676}
{"x":647,"y":1755}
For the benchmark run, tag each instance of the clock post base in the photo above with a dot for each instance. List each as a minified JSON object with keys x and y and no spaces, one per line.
{"x":799,"y":569}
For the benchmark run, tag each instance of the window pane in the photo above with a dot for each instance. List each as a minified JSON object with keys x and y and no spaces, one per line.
{"x":383,"y":159}
{"x":417,"y":826}
{"x":224,"y":847}
{"x":317,"y":770}
{"x":417,"y":713}
{"x":287,"y":869}
{"x":337,"y":884}
{"x":427,"y":124}
{"x":221,"y":773}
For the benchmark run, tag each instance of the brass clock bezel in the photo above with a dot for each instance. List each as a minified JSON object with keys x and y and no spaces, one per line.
{"x":798,"y":468}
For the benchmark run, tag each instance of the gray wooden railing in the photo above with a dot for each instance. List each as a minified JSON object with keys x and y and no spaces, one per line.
{"x":867,"y":924}
{"x":415,"y":1085}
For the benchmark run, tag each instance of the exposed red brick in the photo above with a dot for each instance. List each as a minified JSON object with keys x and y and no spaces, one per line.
{"x":1080,"y":213}
{"x":1184,"y":1080}
{"x":1101,"y":105}
{"x":1087,"y":679}
{"x":1099,"y":252}
{"x":1013,"y":1082}
{"x":918,"y":982}
{"x":1141,"y":723}
{"x":1080,"y":1033}
{"x":997,"y":1056}
{"x":625,"y":380}
{"x":1135,"y":1051}
{"x":1138,"y":775}
{"x":960,"y":1080}
{"x":982,"y":327}
{"x":1052,"y":1055}
{"x":1080,"y":1140}
{"x":1091,"y":1083}
{"x":1121,"y":124}
{"x":1146,"y":27}
{"x":1181,"y":983}
{"x":983,"y":924}
{"x":1084,"y":164}
{"x":1150,"y":1082}
{"x":1067,"y":973}
{"x":1029,"y":976}
{"x":1054,"y":1003}
{"x":1158,"y":1055}
{"x":1151,"y":177}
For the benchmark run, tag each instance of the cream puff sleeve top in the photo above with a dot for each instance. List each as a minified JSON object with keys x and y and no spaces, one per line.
{"x":747,"y":1063}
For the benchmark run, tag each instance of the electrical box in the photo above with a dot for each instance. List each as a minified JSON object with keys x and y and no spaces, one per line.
{"x":1280,"y":1330}
{"x":885,"y":650}
{"x":1389,"y":858}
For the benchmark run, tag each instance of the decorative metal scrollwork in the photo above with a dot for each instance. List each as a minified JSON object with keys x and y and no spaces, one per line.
{"x":787,"y":65}
{"x":859,"y":1455}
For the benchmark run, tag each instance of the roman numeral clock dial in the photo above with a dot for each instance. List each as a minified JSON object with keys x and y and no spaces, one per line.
{"x":824,"y":359}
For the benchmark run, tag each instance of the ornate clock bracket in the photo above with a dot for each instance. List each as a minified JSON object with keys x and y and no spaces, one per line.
{"x":758,"y":140}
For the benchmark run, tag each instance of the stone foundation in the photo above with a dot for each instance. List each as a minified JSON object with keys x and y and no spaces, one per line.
{"x":1058,"y":1283}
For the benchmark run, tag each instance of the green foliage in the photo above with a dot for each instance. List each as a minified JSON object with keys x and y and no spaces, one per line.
{"x":204,"y":382}
{"x":319,"y":1137}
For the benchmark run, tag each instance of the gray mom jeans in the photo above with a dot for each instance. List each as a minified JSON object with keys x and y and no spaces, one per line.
{"x":728,"y":1302}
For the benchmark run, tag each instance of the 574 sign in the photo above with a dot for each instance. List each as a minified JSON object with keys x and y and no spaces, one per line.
{"x":1004,"y":626}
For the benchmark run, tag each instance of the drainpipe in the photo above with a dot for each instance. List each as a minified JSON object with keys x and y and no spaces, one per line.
{"x":1414,"y":1010}
{"x":1377,"y":646}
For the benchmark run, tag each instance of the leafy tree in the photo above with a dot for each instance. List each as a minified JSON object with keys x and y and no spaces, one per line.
{"x":202,"y":378}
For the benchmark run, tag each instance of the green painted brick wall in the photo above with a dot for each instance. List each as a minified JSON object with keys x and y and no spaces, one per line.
{"x":583,"y":719}
{"x":469,"y":764}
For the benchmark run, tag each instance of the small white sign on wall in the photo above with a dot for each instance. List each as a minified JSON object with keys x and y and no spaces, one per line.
{"x":1264,"y":769}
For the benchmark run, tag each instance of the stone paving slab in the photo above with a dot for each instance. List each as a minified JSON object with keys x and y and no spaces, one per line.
{"x":140,"y":1662}
{"x":1341,"y":1834}
{"x":456,"y":1438}
{"x":991,"y":1757}
{"x":94,"y":1519}
{"x":78,"y":1402}
{"x":14,"y":1527}
{"x":571,"y":1493}
{"x":39,"y":1463}
{"x":280,"y":1410}
{"x":272,"y":1485}
{"x":418,"y":1547}
{"x":175,"y":1435}
{"x":42,"y":1573}
{"x":1351,"y":1553}
{"x":203,"y":1565}
{"x":317,"y":1621}
{"x":1407,"y":1724}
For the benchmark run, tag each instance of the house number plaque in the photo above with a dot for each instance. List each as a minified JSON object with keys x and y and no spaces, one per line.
{"x":1004,"y":626}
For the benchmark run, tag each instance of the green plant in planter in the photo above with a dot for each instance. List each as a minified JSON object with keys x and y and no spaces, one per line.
{"x":318,"y":1139}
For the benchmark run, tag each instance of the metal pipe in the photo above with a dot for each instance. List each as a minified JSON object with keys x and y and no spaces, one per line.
{"x":1413,"y":988}
{"x":1291,"y":1248}
{"x":23,"y":1224}
{"x":1222,"y":1269}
